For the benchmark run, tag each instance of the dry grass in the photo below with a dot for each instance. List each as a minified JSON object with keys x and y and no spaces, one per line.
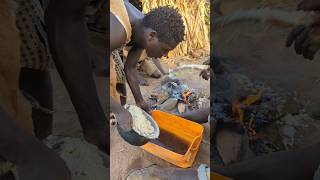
{"x":194,"y":13}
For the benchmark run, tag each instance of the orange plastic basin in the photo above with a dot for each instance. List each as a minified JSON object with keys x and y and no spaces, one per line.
{"x":188,"y":132}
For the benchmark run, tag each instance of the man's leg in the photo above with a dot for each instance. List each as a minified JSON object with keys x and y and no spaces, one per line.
{"x":38,"y":85}
{"x":293,"y":165}
{"x":65,"y":22}
{"x":198,"y":115}
{"x":34,"y":160}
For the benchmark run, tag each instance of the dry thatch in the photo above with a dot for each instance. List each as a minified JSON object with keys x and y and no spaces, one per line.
{"x":194,"y":13}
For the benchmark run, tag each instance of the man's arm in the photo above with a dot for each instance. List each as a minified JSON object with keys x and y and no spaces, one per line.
{"x":33,"y":159}
{"x":198,"y":116}
{"x":130,"y":69}
{"x":68,"y":40}
{"x":117,"y":33}
{"x":293,"y":165}
{"x":156,"y":61}
{"x":117,"y":39}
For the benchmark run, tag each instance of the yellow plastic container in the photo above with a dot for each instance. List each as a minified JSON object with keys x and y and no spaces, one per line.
{"x":188,"y":132}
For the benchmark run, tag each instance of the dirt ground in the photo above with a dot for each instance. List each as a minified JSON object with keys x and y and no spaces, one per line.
{"x":258,"y":51}
{"x":125,"y":157}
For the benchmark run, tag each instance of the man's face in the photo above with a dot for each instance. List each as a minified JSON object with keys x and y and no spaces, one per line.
{"x":155,"y":48}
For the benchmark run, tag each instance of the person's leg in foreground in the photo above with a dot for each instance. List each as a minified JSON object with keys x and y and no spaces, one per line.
{"x":34,"y":161}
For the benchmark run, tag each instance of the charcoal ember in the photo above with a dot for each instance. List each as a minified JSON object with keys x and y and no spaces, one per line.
{"x":192,"y":97}
{"x":167,"y":80}
{"x":222,"y":112}
{"x":169,"y":104}
{"x":261,"y":114}
{"x":268,"y":96}
{"x":263,"y":111}
{"x":291,"y":106}
{"x":260,"y":147}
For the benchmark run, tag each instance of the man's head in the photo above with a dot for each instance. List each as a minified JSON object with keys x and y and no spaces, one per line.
{"x":164,"y":30}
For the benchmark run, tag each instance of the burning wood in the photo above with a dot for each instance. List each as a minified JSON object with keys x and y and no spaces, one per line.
{"x":185,"y":96}
{"x":238,"y":110}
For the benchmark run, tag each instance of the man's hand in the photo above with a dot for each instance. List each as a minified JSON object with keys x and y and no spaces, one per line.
{"x":306,"y":39}
{"x":205,"y":74}
{"x":130,"y":69}
{"x":163,"y":70}
{"x":124,"y":119}
{"x":207,"y":62}
{"x":143,"y":105}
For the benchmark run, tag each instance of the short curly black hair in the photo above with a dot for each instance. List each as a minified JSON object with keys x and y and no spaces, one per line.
{"x":167,"y":22}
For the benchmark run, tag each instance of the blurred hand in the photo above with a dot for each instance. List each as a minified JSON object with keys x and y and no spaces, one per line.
{"x":205,"y":74}
{"x":207,"y":62}
{"x":124,"y":120}
{"x":306,"y":40}
{"x":143,"y":105}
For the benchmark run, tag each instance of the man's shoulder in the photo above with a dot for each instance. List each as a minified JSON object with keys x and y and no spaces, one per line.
{"x":118,"y":34}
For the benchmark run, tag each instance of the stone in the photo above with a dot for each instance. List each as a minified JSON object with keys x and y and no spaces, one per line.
{"x":181,"y":107}
{"x":288,"y":133}
{"x":229,"y":145}
{"x":203,"y":103}
{"x":291,"y":106}
{"x":169,"y":104}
